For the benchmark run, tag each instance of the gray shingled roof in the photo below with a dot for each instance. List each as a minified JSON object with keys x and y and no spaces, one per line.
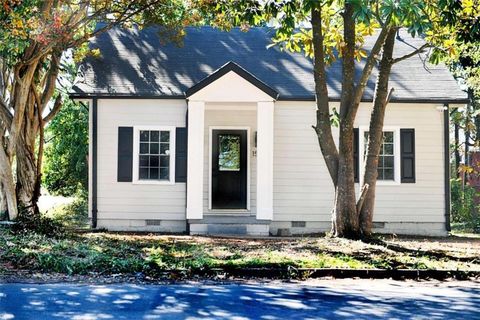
{"x":136,"y":63}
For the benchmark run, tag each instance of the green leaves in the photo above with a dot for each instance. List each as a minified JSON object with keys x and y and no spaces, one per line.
{"x":65,"y":170}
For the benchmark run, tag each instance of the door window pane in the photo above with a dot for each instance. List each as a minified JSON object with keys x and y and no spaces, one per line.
{"x":228,"y":152}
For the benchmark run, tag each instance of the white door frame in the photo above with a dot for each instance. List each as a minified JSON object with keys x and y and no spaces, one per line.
{"x":210,"y":134}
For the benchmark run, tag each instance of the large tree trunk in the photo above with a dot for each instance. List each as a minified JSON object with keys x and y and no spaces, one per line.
{"x":345,"y":212}
{"x":28,"y":171}
{"x":344,"y":217}
{"x":376,"y":134}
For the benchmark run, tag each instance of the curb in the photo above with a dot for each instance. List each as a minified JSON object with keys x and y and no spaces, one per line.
{"x":307,"y":273}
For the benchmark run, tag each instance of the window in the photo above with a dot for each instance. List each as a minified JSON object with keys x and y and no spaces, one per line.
{"x":154,"y":155}
{"x":388,"y":166}
{"x":229,"y":152}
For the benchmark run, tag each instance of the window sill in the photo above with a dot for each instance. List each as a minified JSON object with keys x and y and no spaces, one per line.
{"x":153,"y":182}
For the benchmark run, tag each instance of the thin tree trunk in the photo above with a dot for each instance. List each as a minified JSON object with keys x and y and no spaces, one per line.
{"x":323,"y":127}
{"x":376,"y":133}
{"x":3,"y":203}
{"x":458,"y":158}
{"x":8,"y":184}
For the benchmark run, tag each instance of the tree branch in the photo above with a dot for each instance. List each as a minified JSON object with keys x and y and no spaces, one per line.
{"x":363,"y":196}
{"x":56,"y":108}
{"x":411,"y":54}
{"x":323,"y":126}
{"x":367,"y":70}
{"x":5,"y":115}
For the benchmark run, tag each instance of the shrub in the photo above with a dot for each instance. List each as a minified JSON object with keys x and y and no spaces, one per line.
{"x":73,"y":214}
{"x":40,"y":224}
{"x":465,"y":204}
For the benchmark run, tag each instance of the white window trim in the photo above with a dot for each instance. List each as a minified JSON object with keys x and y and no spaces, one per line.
{"x":136,"y":146}
{"x":397,"y":158}
{"x":210,"y":146}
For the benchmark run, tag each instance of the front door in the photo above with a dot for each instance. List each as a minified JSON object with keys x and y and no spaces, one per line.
{"x":229,"y":169}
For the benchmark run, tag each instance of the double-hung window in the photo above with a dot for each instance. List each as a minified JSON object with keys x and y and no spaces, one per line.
{"x":389,"y":157}
{"x":154,"y":155}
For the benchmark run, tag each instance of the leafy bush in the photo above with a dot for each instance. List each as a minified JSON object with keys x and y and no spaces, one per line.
{"x":26,"y":223}
{"x":465,"y":205}
{"x":73,"y":214}
{"x":65,"y":169}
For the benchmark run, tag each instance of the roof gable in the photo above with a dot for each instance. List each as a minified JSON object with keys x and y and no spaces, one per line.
{"x":227,"y":68}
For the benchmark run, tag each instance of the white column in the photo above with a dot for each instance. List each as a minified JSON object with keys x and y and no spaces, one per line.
{"x":196,"y":116}
{"x":265,"y":160}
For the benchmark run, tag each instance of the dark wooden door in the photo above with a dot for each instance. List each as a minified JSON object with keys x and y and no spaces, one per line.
{"x":229,"y":169}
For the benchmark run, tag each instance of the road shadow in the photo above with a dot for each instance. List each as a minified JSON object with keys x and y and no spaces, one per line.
{"x":245,"y":301}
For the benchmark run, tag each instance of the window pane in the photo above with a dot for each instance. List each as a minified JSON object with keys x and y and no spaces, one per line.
{"x":388,"y":174}
{"x":154,"y":135}
{"x":143,"y":173}
{"x":154,"y":161}
{"x":165,"y":136}
{"x":143,"y":135}
{"x":164,"y":174}
{"x":143,"y":148}
{"x":143,"y":161}
{"x":388,"y":136}
{"x":154,"y":148}
{"x":379,"y":174}
{"x":229,"y":152}
{"x":164,"y":148}
{"x":153,"y":173}
{"x":388,"y":161}
{"x":164,"y":161}
{"x":388,"y":148}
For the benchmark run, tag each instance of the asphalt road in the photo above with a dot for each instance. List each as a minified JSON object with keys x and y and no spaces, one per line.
{"x":322,"y":299}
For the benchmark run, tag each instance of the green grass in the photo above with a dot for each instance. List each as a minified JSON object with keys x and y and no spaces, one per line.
{"x":108,"y":253}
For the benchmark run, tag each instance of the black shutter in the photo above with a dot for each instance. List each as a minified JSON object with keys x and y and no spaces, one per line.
{"x":125,"y":154}
{"x":407,"y":155}
{"x":181,"y":136}
{"x":356,"y":162}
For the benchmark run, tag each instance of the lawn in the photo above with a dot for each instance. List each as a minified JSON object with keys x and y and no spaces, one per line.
{"x":160,"y":256}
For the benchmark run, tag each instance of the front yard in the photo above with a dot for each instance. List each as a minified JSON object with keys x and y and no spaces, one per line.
{"x":160,"y":256}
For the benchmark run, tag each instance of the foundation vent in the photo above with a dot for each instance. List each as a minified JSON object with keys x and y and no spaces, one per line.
{"x":153,"y":222}
{"x":299,"y":224}
{"x":379,"y":225}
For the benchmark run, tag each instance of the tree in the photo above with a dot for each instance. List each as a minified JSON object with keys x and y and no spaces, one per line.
{"x":338,"y":29}
{"x":66,"y":154}
{"x":34,"y":37}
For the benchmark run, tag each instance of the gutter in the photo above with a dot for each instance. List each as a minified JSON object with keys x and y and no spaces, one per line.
{"x":446,"y":138}
{"x":94,"y":161}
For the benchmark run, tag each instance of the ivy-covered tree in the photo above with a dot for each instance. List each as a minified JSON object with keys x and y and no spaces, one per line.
{"x":336,"y":30}
{"x":34,"y":36}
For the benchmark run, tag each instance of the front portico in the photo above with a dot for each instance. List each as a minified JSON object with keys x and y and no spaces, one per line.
{"x":230,"y":153}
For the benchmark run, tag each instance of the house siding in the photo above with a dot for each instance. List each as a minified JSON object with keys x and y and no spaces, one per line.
{"x":303,"y":190}
{"x":125,"y":205}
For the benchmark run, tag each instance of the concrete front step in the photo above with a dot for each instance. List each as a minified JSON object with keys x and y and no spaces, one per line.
{"x":229,"y":229}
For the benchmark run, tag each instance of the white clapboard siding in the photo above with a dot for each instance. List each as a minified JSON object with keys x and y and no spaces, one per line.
{"x":302,"y":187}
{"x":125,"y":200}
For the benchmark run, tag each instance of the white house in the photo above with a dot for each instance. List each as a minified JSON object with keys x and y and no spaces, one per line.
{"x":216,"y":136}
